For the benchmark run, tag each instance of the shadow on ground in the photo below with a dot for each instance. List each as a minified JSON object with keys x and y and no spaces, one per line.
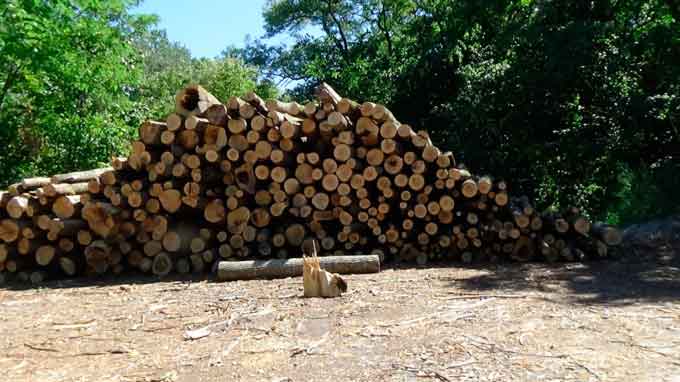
{"x":645,"y":268}
{"x":110,"y":280}
{"x":612,"y":282}
{"x":616,"y":282}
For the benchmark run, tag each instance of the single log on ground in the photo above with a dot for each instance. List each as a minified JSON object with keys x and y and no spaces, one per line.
{"x":279,"y":268}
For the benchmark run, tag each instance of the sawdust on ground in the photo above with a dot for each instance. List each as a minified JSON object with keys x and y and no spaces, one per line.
{"x":596,"y":322}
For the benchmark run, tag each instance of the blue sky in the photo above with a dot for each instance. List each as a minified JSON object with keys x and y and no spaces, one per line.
{"x":206,"y":27}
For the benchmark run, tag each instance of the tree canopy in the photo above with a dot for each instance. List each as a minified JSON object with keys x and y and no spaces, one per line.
{"x":77,"y":77}
{"x":573,"y":102}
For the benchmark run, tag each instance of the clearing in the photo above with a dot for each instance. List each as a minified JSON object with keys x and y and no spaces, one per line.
{"x":612,"y":321}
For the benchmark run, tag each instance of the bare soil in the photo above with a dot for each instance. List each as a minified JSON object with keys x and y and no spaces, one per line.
{"x":610,"y":321}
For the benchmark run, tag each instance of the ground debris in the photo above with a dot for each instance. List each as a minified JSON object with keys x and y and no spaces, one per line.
{"x":398,"y":325}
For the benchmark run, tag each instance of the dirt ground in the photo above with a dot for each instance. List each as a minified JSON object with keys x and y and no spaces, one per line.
{"x":593,"y":322}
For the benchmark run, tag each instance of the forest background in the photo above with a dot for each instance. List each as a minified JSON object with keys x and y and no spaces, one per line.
{"x":573,"y":102}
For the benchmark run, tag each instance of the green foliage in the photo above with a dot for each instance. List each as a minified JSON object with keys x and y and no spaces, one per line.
{"x":574,"y":102}
{"x":65,"y":70}
{"x":645,"y":193}
{"x":77,"y":78}
{"x":168,"y":67}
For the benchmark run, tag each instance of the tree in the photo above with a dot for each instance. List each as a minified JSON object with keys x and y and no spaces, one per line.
{"x":571,"y":101}
{"x":67,"y":69}
{"x":168,"y":67}
{"x":78,"y":77}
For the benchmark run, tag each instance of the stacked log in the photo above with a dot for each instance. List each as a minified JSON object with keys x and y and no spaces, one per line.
{"x":253,"y":178}
{"x":41,"y":222}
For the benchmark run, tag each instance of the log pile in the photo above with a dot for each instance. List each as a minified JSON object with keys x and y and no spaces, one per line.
{"x":250,"y":178}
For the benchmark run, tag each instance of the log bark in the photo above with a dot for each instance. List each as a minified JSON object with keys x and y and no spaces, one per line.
{"x":150,"y":132}
{"x":327,"y":94}
{"x":216,"y":114}
{"x":292,"y":108}
{"x":194,"y":99}
{"x":30,"y":184}
{"x":270,"y":269}
{"x":80,"y":176}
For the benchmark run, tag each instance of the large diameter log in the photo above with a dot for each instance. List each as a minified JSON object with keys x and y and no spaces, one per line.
{"x":237,"y":219}
{"x":97,"y":255}
{"x":9,"y":230}
{"x":561,"y":225}
{"x":84,"y":237}
{"x":245,"y":178}
{"x":173,"y":122}
{"x":327,"y":94}
{"x":100,"y":217}
{"x":17,"y":206}
{"x":216,"y":115}
{"x":194,"y":99}
{"x":281,"y":268}
{"x":5,"y":252}
{"x":580,"y":224}
{"x":68,"y":265}
{"x":171,"y":200}
{"x":295,"y":234}
{"x":150,"y":132}
{"x":469,"y":188}
{"x":346,"y":105}
{"x":66,"y":206}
